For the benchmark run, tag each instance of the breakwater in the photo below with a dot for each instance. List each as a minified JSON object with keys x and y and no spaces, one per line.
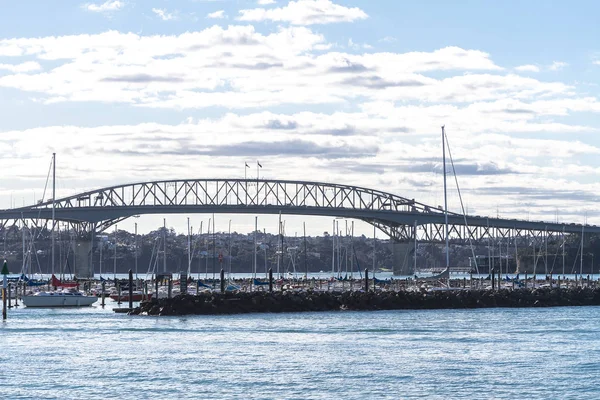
{"x":291,"y":301}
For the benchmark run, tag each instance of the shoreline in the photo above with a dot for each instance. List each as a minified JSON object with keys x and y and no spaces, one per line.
{"x":311,"y":301}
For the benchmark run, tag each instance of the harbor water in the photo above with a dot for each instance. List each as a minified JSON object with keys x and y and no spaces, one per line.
{"x":94,"y":353}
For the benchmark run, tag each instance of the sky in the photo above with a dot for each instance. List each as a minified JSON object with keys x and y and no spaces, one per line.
{"x":350,"y":92}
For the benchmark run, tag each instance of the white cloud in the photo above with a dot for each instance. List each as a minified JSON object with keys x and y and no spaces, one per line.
{"x":305,"y":12}
{"x":163,"y":14}
{"x":388,"y":39}
{"x":28,"y":66}
{"x":397,"y":152}
{"x":528,"y":68}
{"x":237,"y":67}
{"x":597,"y":62}
{"x":216,"y":15}
{"x":266,"y":2}
{"x":557,"y":65}
{"x":109,"y":5}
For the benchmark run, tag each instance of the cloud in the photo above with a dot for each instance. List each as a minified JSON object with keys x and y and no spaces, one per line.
{"x":28,"y":66}
{"x":237,"y":67}
{"x":465,"y":169}
{"x":305,"y":12}
{"x":557,"y":65}
{"x":266,"y":2}
{"x":343,"y":147}
{"x":216,"y":15}
{"x":163,"y":14}
{"x":388,"y":39}
{"x":142,"y":78}
{"x":107,"y":6}
{"x":597,"y":62}
{"x":528,"y":68}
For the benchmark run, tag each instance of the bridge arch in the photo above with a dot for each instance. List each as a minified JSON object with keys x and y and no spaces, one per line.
{"x":395,"y":215}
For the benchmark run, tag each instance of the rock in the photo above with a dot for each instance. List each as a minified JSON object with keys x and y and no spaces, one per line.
{"x":289,"y":301}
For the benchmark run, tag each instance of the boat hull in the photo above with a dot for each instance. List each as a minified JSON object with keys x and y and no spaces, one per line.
{"x":59,"y":300}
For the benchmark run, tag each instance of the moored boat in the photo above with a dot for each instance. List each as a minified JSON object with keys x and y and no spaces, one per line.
{"x":65,"y":298}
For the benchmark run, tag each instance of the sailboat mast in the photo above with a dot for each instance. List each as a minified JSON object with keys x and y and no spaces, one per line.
{"x":115,"y":256}
{"x":445,"y":198}
{"x":415,"y":258}
{"x":229,"y":251}
{"x":255,"y":243}
{"x":53,"y":205}
{"x":279,"y":253}
{"x":305,"y":254}
{"x":164,"y":245}
{"x":189,"y":247}
{"x":136,"y":251}
{"x":581,"y":259}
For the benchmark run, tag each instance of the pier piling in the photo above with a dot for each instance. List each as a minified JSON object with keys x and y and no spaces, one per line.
{"x":103,"y":292}
{"x":493,"y":279}
{"x":9,"y":295}
{"x":170,"y":288}
{"x":130,"y":289}
{"x":119,"y":292}
{"x":222,"y":280}
{"x":3,"y":303}
{"x":270,"y":279}
{"x":366,"y":279}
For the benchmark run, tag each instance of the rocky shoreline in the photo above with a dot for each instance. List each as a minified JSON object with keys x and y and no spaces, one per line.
{"x":290,"y":301}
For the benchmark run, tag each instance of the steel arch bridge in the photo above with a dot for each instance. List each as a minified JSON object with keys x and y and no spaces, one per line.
{"x":401,"y":218}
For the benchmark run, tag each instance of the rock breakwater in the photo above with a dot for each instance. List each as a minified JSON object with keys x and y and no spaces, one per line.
{"x":290,"y":301}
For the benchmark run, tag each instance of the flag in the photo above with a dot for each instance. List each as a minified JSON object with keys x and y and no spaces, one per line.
{"x":258,"y":164}
{"x":247,"y":166}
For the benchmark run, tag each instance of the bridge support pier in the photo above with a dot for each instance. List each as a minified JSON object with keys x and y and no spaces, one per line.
{"x":403,"y":254}
{"x":82,"y":249}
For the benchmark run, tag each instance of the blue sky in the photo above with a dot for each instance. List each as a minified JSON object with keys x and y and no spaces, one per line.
{"x":516,"y":84}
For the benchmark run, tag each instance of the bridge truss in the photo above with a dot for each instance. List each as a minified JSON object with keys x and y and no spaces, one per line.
{"x":400,"y":218}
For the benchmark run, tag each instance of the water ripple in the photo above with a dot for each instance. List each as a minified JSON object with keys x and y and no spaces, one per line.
{"x":438,"y":354}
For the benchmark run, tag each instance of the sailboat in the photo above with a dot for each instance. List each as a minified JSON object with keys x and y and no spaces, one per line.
{"x":67,"y":297}
{"x":445,"y":274}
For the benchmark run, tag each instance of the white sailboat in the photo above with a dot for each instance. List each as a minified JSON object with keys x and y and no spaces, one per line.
{"x":67,"y":297}
{"x":64,"y":298}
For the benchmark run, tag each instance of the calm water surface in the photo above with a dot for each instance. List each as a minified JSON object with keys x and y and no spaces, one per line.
{"x":93,"y":353}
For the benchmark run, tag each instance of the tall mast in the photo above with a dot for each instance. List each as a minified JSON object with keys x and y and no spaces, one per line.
{"x":305,"y":254}
{"x":214,"y":237}
{"x":164,"y":245}
{"x":374,"y":238}
{"x":53,"y":205}
{"x":101,"y":246}
{"x":229,"y":251}
{"x":563,"y":253}
{"x":445,"y":198}
{"x":189,"y":248}
{"x":115,"y":255}
{"x":415,"y":258}
{"x":279,"y":253}
{"x":255,"y":243}
{"x":333,"y":250}
{"x":136,"y":251}
{"x":200,"y":259}
{"x":581,"y":259}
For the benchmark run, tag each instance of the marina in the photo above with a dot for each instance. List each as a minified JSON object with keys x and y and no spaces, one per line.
{"x":299,"y":199}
